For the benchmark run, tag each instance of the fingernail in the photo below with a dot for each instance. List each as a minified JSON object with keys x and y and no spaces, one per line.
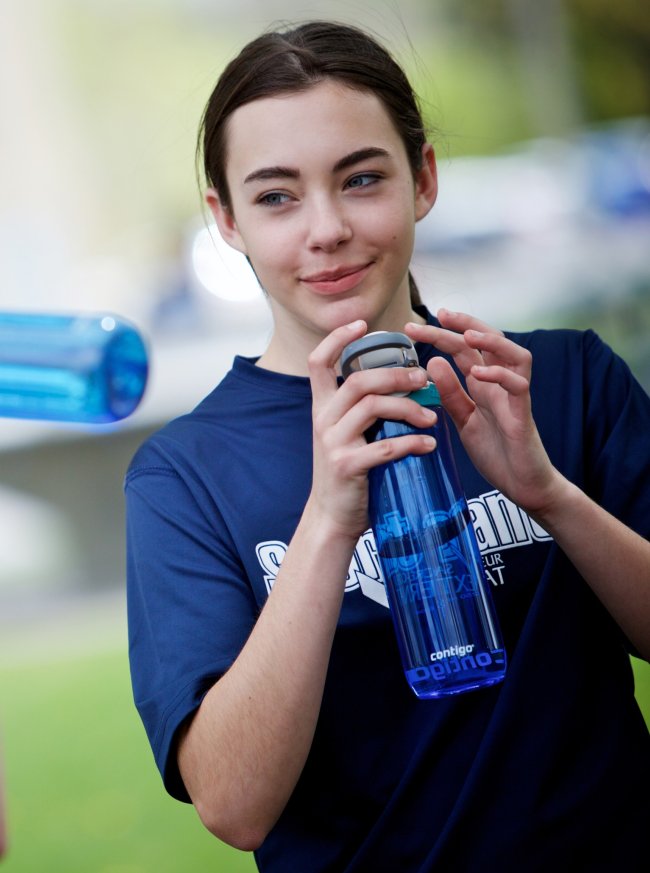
{"x":417,"y":377}
{"x":355,"y":325}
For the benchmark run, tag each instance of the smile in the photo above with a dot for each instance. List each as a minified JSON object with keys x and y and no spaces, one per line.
{"x":337,"y":281}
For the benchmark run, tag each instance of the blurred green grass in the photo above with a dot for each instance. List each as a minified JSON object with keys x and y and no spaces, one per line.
{"x":83,"y":794}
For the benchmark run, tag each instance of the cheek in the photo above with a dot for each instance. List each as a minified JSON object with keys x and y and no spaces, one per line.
{"x":271,"y":256}
{"x":393,"y":226}
{"x":397,"y":237}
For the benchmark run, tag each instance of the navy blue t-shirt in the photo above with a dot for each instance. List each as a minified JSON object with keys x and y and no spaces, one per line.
{"x":549,"y":769}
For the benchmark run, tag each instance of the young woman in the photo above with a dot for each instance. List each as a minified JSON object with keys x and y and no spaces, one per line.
{"x":263,"y":659}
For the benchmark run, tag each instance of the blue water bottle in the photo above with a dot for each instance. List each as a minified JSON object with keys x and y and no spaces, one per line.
{"x":80,"y":368}
{"x":440,"y":600}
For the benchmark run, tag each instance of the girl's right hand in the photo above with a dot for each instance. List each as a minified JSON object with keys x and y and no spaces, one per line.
{"x":341,"y":415}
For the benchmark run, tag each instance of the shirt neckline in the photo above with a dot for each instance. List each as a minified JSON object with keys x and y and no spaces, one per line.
{"x":246,"y":369}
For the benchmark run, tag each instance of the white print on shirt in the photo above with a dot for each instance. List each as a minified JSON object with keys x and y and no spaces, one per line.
{"x":494,"y":567}
{"x":499,"y":524}
{"x":364,"y":570}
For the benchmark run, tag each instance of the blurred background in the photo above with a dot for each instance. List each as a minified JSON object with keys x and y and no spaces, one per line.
{"x":540,"y":114}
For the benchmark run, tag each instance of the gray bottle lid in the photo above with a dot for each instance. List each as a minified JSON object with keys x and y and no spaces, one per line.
{"x":381,"y":348}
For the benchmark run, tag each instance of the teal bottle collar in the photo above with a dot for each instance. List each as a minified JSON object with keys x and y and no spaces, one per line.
{"x":427,"y":396}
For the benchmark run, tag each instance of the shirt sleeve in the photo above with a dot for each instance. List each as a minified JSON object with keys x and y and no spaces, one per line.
{"x":617,"y":442}
{"x":190,"y":607}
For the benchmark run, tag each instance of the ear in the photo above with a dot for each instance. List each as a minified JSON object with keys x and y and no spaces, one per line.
{"x":426,"y":182}
{"x":225,"y":221}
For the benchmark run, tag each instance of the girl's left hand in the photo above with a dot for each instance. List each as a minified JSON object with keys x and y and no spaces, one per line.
{"x":493,"y":417}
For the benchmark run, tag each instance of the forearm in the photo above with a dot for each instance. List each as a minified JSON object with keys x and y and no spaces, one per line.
{"x":613,"y":559}
{"x":246,"y":746}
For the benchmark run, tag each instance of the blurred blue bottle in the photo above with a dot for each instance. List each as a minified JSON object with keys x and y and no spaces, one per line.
{"x":440,"y":600}
{"x":82,"y":368}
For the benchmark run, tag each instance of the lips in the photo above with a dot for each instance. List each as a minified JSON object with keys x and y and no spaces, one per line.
{"x":337,"y":281}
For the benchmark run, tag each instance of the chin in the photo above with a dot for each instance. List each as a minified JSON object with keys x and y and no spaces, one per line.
{"x":345,"y":311}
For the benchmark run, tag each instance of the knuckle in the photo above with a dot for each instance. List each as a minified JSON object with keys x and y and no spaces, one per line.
{"x":320,"y":423}
{"x":369,"y":404}
{"x":399,"y":377}
{"x":341,"y":465}
{"x":314,"y":360}
{"x":365,"y":405}
{"x":354,"y":384}
{"x":385,"y":450}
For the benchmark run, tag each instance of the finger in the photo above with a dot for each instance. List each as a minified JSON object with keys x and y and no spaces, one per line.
{"x":512,"y":382}
{"x":461,"y":321}
{"x":448,"y":342}
{"x":496,"y":347}
{"x":373,"y":407}
{"x":393,"y":448}
{"x":361,"y":459}
{"x":323,"y":359}
{"x":453,"y":396}
{"x":375,"y":391}
{"x":475,"y":346}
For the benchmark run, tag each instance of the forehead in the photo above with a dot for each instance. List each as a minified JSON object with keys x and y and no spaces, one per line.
{"x":323,"y":122}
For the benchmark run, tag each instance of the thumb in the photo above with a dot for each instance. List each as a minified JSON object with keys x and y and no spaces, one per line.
{"x":453,"y":396}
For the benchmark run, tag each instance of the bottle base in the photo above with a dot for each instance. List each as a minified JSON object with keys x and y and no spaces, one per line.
{"x":456,"y":675}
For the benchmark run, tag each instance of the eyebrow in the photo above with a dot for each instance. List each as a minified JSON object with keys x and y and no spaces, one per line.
{"x":360,"y":155}
{"x":355,"y":157}
{"x":271,"y":173}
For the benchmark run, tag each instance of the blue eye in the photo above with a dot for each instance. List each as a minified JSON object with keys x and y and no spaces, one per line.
{"x":273,"y":198}
{"x":362,"y":180}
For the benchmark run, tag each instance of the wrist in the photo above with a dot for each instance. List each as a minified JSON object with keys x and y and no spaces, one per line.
{"x":559,"y":502}
{"x":322,"y":528}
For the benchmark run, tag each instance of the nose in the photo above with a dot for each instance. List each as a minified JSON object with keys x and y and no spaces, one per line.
{"x":328,"y":224}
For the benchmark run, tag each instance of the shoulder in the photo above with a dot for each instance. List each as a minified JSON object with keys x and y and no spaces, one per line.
{"x":181,"y":441}
{"x":578,"y":358}
{"x":250,"y":407}
{"x":567,"y":342}
{"x":553,"y":340}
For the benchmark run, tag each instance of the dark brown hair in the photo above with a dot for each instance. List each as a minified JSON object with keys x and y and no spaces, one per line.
{"x":282,"y":62}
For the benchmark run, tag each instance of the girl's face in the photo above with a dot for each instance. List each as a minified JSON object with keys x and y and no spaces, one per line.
{"x":324,"y":204}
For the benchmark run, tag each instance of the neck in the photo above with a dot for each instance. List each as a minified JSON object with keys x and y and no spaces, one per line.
{"x":289,"y":349}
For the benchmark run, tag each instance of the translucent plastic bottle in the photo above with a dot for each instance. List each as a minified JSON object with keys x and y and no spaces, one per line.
{"x":82,"y":368}
{"x":441,"y":604}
